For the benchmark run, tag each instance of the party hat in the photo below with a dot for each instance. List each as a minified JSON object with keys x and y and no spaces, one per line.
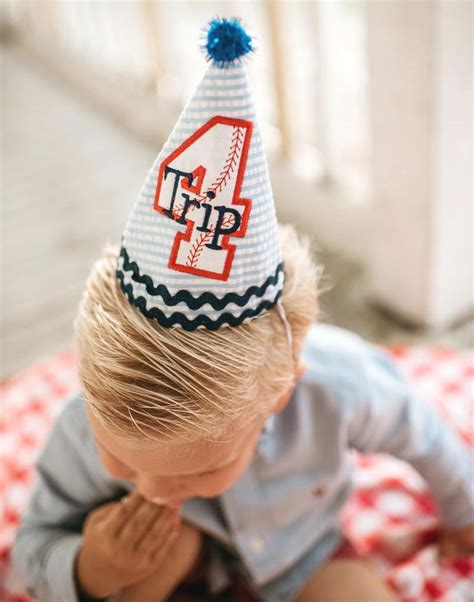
{"x":201,"y":246}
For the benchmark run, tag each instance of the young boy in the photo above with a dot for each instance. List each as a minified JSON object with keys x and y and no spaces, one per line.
{"x":213,"y":429}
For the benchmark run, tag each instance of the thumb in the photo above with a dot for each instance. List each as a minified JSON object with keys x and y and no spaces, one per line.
{"x":101,"y":512}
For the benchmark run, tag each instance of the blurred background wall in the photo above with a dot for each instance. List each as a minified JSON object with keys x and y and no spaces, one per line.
{"x":366,"y":113}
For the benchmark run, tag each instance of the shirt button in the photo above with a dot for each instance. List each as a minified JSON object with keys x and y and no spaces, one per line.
{"x":257,"y":544}
{"x":319,"y":491}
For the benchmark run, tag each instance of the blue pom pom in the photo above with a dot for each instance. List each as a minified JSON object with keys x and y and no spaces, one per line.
{"x":226,"y":41}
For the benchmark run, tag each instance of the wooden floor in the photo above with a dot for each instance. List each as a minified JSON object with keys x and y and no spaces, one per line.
{"x":69,"y":181}
{"x":69,"y":178}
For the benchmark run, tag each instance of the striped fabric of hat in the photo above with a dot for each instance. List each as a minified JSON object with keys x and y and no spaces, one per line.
{"x":201,"y":247}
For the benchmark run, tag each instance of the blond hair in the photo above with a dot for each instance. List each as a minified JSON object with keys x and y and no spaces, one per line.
{"x":141,"y":379}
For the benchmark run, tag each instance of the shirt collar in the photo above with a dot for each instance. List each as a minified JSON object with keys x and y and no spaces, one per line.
{"x":269,"y":425}
{"x":267,"y":430}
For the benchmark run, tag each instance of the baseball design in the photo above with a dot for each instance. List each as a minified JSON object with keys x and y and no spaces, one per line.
{"x":199,"y":187}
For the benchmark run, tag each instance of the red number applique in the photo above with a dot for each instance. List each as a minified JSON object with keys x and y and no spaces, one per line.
{"x":199,"y":187}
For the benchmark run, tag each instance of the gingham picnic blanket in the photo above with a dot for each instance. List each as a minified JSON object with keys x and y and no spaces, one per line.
{"x":390,"y":517}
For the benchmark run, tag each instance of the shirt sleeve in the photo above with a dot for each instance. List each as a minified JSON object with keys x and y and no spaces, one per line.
{"x":387,"y":415}
{"x":69,"y":485}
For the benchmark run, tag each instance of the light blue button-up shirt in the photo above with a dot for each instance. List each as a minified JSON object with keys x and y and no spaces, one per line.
{"x":280,"y":519}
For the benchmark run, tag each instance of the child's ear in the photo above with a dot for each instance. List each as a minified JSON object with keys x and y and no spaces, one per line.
{"x":285,"y":398}
{"x":300,"y":370}
{"x":282,"y":402}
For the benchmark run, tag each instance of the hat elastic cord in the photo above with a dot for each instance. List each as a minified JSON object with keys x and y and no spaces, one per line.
{"x":289,"y":335}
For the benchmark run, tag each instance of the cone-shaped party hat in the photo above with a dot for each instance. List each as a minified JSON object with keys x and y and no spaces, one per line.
{"x":201,"y":246}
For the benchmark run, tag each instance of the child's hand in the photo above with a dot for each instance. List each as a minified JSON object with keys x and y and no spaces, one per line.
{"x":455,"y":543}
{"x":123,"y":543}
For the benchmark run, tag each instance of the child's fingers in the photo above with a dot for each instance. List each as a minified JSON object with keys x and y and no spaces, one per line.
{"x":156,"y":535}
{"x":103,"y":511}
{"x":158,"y":553}
{"x":123,"y":512}
{"x":139,"y":523}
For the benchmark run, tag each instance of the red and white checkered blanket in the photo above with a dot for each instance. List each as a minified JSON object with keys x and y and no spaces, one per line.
{"x":390,"y":517}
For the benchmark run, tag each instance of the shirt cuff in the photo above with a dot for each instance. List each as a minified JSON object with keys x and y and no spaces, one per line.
{"x":61,"y":572}
{"x":61,"y":567}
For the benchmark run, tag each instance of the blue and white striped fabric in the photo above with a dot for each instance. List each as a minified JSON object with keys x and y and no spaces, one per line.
{"x":201,"y":246}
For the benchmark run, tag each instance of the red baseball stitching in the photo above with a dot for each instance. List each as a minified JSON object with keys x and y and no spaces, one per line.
{"x":198,"y":246}
{"x":231,"y":162}
{"x":226,"y":172}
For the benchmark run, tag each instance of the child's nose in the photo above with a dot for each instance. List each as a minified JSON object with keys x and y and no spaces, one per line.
{"x":157,"y":488}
